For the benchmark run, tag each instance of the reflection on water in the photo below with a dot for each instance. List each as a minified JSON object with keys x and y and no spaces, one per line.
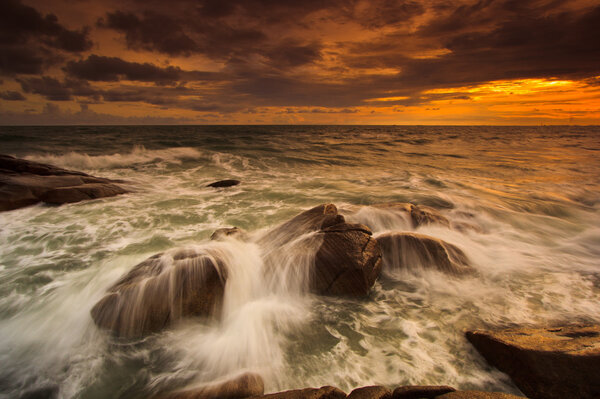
{"x":531,"y":195}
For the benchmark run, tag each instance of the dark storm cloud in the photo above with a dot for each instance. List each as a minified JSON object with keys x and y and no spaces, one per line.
{"x":12,"y":96}
{"x":19,"y":23}
{"x":54,"y":90}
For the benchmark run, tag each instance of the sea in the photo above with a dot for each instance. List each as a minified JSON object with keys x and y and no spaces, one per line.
{"x":532,"y":195}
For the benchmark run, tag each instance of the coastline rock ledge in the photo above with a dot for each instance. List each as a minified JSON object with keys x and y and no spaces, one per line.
{"x":24,"y":183}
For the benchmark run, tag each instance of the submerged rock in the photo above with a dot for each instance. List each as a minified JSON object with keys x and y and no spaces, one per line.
{"x":228,"y":232}
{"x":224,"y":183}
{"x":370,"y":392}
{"x":24,"y":183}
{"x":549,"y":363}
{"x":419,"y":214}
{"x":410,"y":250}
{"x":326,"y":392}
{"x":243,"y":386}
{"x":421,"y":391}
{"x":161,"y":290}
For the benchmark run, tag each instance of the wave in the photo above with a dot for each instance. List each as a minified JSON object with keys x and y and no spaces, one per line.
{"x":138,"y":155}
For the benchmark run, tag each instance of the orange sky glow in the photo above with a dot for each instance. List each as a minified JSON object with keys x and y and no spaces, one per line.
{"x":431,"y":62}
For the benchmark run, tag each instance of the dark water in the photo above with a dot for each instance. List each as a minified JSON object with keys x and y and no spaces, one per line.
{"x":532,"y":192}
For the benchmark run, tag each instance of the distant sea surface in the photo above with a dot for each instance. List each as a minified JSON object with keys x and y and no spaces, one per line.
{"x":533,"y":194}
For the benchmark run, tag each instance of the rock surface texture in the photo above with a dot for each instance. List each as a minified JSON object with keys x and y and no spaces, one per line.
{"x":549,"y":363}
{"x":480,"y":395}
{"x":421,"y":391}
{"x":410,"y":250}
{"x":243,"y":386}
{"x":371,"y":392}
{"x":24,"y":183}
{"x":326,"y":392}
{"x":163,"y":289}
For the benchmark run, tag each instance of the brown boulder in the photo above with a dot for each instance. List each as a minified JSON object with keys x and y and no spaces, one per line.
{"x":410,"y":250}
{"x":326,"y":392}
{"x":224,"y":183}
{"x":228,"y":232}
{"x":161,"y":290}
{"x":24,"y":183}
{"x":371,"y":392}
{"x":479,"y":395}
{"x":420,"y":392}
{"x":243,"y":386}
{"x":549,"y":363}
{"x":348,"y":261}
{"x":419,"y":214}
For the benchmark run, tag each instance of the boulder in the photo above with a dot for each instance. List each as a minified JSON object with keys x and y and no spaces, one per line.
{"x":549,"y":363}
{"x":420,"y":391}
{"x":419,"y":214}
{"x":371,"y":392}
{"x":228,"y":232}
{"x":224,"y":183}
{"x":161,"y":290}
{"x":243,"y":386}
{"x":326,"y":392}
{"x":348,"y":261}
{"x":480,"y":395}
{"x":24,"y":183}
{"x":410,"y":250}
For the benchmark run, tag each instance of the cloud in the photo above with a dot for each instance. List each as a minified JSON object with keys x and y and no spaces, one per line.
{"x":112,"y":69}
{"x":55,"y":90}
{"x":12,"y":96}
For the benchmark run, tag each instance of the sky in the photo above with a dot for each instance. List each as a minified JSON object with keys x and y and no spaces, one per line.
{"x":433,"y":62}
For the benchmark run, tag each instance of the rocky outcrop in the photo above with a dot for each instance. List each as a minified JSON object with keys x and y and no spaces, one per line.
{"x":549,"y":363}
{"x":419,"y":214}
{"x":326,"y":392}
{"x":224,"y":183}
{"x":161,"y":290}
{"x":371,"y":392}
{"x":228,"y":232}
{"x":412,"y":251}
{"x":348,"y":261}
{"x":480,"y":395}
{"x":24,"y":183}
{"x":243,"y":386}
{"x":421,"y":391}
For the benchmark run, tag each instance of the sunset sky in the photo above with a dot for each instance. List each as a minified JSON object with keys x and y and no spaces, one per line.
{"x":288,"y":61}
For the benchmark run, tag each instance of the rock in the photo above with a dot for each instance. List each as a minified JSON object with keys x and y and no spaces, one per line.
{"x":228,"y":232}
{"x":411,"y":250}
{"x":161,"y":290}
{"x":24,"y":183}
{"x":549,"y":363}
{"x":348,"y":261}
{"x":50,"y":391}
{"x":224,"y":183}
{"x":243,"y":386}
{"x":420,"y":392}
{"x":371,"y":392}
{"x":326,"y":392}
{"x":419,"y":214}
{"x":479,"y":395}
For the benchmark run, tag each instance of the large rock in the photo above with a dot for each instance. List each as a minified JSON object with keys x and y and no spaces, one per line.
{"x":420,"y":391}
{"x":371,"y":392}
{"x":161,"y":290}
{"x":410,"y":250}
{"x":481,"y":395}
{"x":224,"y":183}
{"x":24,"y":183}
{"x":419,"y":214}
{"x":243,"y":386}
{"x":548,"y":363}
{"x":326,"y":392}
{"x":346,"y":260}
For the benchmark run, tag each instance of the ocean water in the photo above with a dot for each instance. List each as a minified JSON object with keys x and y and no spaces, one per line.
{"x":533,"y":194}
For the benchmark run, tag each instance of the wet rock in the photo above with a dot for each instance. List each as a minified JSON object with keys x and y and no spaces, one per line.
{"x":224,"y":183}
{"x":410,"y":250}
{"x":228,"y":232}
{"x":550,"y":363}
{"x":420,"y":391}
{"x":161,"y":290}
{"x":50,"y":391}
{"x":419,"y":214}
{"x":478,"y":395}
{"x":243,"y":386}
{"x":24,"y":183}
{"x":371,"y":392}
{"x":348,"y":261}
{"x":326,"y":392}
